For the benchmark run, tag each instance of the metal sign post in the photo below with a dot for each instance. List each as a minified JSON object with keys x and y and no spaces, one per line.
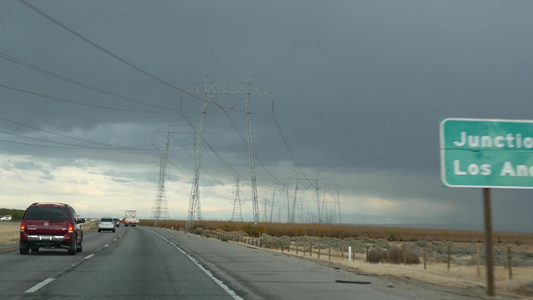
{"x":488,"y":241}
{"x":487,"y":153}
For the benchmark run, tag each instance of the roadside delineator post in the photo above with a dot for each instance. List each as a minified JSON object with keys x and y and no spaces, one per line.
{"x":449,"y":246}
{"x":425,"y":255}
{"x":478,"y":260}
{"x":510,"y":262}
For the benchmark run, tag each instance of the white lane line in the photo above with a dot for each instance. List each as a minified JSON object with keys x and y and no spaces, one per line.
{"x":39,"y":285}
{"x":47,"y":281}
{"x":206,"y":271}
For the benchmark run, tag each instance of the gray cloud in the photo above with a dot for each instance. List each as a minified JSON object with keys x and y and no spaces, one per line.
{"x":358,"y":89}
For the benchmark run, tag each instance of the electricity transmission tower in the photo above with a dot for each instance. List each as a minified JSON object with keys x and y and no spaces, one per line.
{"x":210,"y":89}
{"x":268,"y":205}
{"x":160,"y":206}
{"x":237,"y":202}
{"x":304,"y":183}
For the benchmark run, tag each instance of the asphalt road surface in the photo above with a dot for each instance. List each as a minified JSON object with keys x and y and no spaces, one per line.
{"x":152,"y":263}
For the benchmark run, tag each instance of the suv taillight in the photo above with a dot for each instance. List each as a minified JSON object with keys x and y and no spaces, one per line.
{"x":70,"y":227}
{"x":22,"y":226}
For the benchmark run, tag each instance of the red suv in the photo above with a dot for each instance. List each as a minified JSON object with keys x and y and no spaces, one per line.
{"x":53,"y":225}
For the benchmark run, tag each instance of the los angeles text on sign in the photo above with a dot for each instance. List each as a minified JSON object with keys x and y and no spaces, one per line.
{"x":486,"y":153}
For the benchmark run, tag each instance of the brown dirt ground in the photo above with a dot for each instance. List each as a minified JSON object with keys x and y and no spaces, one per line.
{"x":457,"y":276}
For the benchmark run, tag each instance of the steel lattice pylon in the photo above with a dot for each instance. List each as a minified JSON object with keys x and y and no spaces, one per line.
{"x":160,"y":206}
{"x":305,"y":182}
{"x":210,"y":89}
{"x":237,"y":202}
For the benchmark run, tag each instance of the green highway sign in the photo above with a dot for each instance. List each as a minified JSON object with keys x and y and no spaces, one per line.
{"x":486,"y":153}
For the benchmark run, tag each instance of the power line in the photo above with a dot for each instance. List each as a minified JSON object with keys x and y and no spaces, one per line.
{"x":97,"y":46}
{"x":245,"y":143}
{"x":103,"y":49}
{"x":87,"y":86}
{"x":77,"y":147}
{"x":49,"y":73}
{"x":64,"y":135}
{"x":70,"y":146}
{"x":203,"y":188}
{"x":74,"y":102}
{"x":148,"y":73}
{"x":289,"y":148}
{"x":285,"y":141}
{"x":203,"y":169}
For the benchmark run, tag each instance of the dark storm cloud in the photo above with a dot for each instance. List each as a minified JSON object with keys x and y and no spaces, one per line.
{"x":358,"y":87}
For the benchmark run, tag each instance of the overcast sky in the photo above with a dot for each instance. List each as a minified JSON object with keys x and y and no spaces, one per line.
{"x":356,"y":90}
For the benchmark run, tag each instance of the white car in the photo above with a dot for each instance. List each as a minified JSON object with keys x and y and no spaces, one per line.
{"x":106,"y":223}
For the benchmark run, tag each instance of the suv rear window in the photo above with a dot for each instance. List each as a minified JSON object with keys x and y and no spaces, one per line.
{"x":106,"y":220}
{"x":51,"y":213}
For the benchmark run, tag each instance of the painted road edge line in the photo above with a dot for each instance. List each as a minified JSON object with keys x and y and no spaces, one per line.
{"x":39,"y":285}
{"x":10,"y":249}
{"x":206,"y":271}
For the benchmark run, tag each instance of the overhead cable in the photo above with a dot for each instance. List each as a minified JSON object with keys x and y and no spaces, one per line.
{"x":289,"y":148}
{"x":103,"y":49}
{"x":245,"y":143}
{"x":80,"y":36}
{"x":28,"y":65}
{"x":75,"y":102}
{"x":67,"y":136}
{"x":72,"y":146}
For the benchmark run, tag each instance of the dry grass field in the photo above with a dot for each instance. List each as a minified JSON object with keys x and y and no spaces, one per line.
{"x":9,"y":232}
{"x":453,"y":258}
{"x":393,"y":234}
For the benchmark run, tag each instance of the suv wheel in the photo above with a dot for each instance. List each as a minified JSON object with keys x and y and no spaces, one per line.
{"x":72,"y":248}
{"x":80,"y":248}
{"x":24,"y":250}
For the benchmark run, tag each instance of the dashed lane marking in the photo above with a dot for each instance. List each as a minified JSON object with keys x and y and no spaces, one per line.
{"x":39,"y":285}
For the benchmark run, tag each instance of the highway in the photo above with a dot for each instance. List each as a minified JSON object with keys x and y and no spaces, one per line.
{"x":152,"y":263}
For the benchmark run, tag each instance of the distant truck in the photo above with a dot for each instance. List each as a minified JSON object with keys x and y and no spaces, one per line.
{"x":130,"y":218}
